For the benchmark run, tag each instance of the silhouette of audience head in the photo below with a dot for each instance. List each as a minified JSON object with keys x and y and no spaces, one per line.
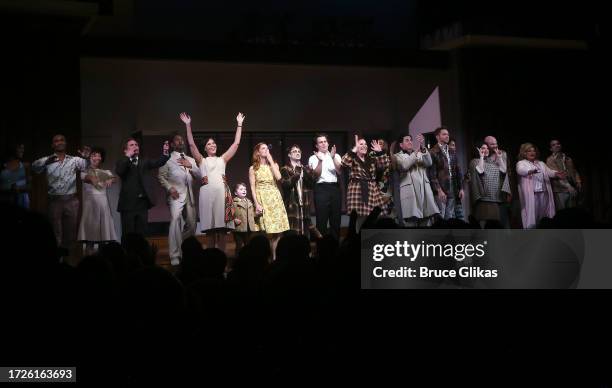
{"x":260,"y":246}
{"x":96,"y":280}
{"x":138,"y":248}
{"x":199,"y":263}
{"x":252,"y":261}
{"x":215,"y":261}
{"x":121,"y":263}
{"x":29,"y":237}
{"x":292,"y":247}
{"x":153,"y":294}
{"x":327,"y":247}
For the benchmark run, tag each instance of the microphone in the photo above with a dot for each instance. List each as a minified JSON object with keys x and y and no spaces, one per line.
{"x":183,"y":157}
{"x":269,"y":147}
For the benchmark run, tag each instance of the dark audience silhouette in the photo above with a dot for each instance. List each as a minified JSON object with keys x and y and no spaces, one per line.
{"x":119,"y":302}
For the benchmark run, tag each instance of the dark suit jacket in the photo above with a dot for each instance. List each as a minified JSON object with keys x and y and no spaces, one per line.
{"x":136,"y":181}
{"x":438,"y":173}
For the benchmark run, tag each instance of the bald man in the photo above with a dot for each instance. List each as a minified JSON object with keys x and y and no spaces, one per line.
{"x":494,"y":154}
{"x":491,"y":142}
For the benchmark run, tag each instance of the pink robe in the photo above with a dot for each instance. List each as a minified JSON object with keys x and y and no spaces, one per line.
{"x":526,"y":193}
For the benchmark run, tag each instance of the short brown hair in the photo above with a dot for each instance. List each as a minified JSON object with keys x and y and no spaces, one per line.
{"x":400,"y":139}
{"x":238,"y":185}
{"x":129,"y":139}
{"x":173,"y":135}
{"x":316,"y":136}
{"x":292,"y":147}
{"x":438,"y":130}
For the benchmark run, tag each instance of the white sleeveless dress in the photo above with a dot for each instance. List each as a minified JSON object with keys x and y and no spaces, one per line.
{"x":212,"y":195}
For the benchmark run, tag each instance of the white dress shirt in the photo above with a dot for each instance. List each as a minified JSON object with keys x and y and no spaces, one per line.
{"x":328,"y":171}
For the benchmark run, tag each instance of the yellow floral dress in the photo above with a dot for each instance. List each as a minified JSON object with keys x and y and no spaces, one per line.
{"x":274,"y":218}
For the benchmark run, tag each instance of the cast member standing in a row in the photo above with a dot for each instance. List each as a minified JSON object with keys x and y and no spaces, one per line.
{"x":15,"y":182}
{"x":263,"y":175}
{"x":535,"y":191}
{"x":177,"y":177}
{"x":496,"y":153}
{"x":459,"y":213}
{"x":445,"y":175}
{"x":244,"y":217}
{"x":363,"y":191}
{"x":216,"y":204}
{"x":97,"y":226}
{"x":417,"y":203}
{"x":136,"y":196}
{"x":63,"y":204}
{"x":297,"y":182}
{"x":489,"y":185}
{"x":565,"y":190}
{"x":327,"y":166}
{"x":384,"y":181}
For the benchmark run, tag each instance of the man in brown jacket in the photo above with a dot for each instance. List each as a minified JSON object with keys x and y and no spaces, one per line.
{"x":445,"y":175}
{"x":297,"y":182}
{"x":565,"y":190}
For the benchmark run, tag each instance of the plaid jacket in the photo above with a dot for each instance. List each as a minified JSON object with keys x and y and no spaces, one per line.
{"x":439,"y":174}
{"x":363,"y":191}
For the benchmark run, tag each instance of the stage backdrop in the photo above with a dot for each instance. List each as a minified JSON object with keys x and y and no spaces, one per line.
{"x":284,"y":104}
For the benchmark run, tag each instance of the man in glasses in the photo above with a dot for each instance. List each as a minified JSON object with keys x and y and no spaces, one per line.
{"x":297,"y":182}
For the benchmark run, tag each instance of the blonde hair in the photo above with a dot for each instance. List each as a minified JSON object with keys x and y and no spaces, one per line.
{"x":525,"y":148}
